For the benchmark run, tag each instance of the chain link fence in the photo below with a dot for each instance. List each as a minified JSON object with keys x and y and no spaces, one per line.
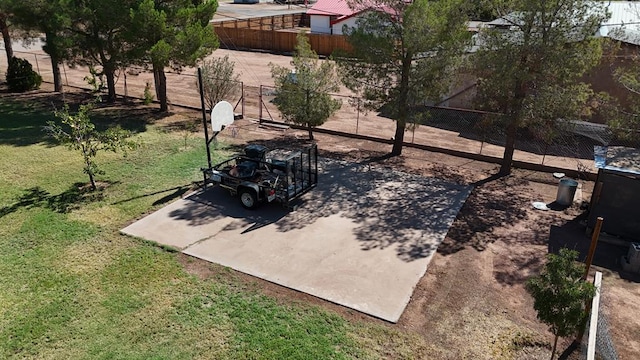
{"x":131,"y":82}
{"x":561,"y":144}
{"x":604,"y":346}
{"x":564,"y":144}
{"x":560,"y":139}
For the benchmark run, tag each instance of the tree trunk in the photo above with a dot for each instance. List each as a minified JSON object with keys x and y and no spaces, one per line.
{"x":514,"y":114}
{"x":92,"y":180}
{"x":57,"y":79}
{"x":51,"y":48}
{"x":5,"y":36}
{"x":109,"y":73}
{"x":398,"y":139}
{"x":88,"y":168}
{"x":403,"y":103}
{"x":160,"y":80}
{"x":555,"y":344}
{"x":306,"y":110}
{"x":509,"y":148}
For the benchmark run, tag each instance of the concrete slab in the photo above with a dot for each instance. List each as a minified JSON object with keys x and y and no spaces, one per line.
{"x":363,"y":238}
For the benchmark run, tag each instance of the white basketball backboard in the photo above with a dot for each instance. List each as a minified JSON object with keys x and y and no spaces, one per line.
{"x":221,"y":115}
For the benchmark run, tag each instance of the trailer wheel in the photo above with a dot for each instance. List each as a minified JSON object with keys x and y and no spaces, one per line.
{"x":248,"y":199}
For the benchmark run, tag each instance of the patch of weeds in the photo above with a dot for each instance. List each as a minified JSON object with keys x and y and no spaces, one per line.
{"x":188,"y":129}
{"x":123,"y":301}
{"x":199,"y":310}
{"x":509,"y":344}
{"x":46,"y":301}
{"x":265,"y":329}
{"x":44,"y":231}
{"x":147,"y":96}
{"x":381,"y":341}
{"x":40,"y":297}
{"x":164,"y":247}
{"x":142,"y":267}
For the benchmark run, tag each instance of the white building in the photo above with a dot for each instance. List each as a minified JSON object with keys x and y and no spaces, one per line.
{"x":330,"y":16}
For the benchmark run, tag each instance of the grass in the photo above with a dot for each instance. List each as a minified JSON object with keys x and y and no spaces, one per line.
{"x":72,"y":287}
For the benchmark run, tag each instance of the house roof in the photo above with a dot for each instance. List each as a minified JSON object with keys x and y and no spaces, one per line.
{"x":617,"y":158}
{"x":341,"y":10}
{"x":338,"y":8}
{"x":624,"y":23}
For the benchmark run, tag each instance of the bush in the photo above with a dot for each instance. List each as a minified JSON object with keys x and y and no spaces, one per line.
{"x":21,"y":77}
{"x":147,"y":95}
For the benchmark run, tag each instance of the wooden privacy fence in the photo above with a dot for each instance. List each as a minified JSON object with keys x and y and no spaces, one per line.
{"x":275,"y":22}
{"x":277,"y":41}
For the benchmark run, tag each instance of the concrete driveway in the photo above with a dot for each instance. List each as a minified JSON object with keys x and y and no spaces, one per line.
{"x":363,"y":238}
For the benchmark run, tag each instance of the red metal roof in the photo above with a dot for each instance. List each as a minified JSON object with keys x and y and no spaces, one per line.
{"x":339,"y":8}
{"x":342,"y":11}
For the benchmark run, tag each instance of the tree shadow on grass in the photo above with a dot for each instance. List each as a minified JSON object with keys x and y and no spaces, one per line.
{"x":178,"y":191}
{"x":25,"y":115}
{"x":66,"y":201}
{"x":23,"y":127}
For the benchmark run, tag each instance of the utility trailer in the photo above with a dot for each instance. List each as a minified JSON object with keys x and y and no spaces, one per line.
{"x":260,"y":176}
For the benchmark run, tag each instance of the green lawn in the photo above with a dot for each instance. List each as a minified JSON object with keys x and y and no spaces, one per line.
{"x":72,"y":287}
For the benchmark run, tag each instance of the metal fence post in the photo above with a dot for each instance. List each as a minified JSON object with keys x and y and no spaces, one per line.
{"x":357,"y":116}
{"x":37,"y":65}
{"x":64,"y":70}
{"x":260,"y":104}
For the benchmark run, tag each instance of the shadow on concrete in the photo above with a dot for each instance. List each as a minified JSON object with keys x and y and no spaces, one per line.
{"x":389,"y":208}
{"x":408,"y":212}
{"x":220,"y":204}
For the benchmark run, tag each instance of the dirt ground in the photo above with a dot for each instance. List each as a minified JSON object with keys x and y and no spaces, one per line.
{"x":254,"y":102}
{"x":472,"y":297}
{"x":473,"y":293}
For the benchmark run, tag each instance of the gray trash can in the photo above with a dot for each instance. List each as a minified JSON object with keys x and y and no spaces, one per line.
{"x":566,"y":192}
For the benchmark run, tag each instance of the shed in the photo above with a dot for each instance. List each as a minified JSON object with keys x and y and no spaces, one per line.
{"x":325,"y":13}
{"x":616,"y":195}
{"x":330,"y":16}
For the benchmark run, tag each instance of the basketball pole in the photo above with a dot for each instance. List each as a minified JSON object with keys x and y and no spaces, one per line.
{"x":204,"y":117}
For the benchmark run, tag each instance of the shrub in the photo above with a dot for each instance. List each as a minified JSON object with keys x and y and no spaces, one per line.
{"x":148,"y":95}
{"x":21,"y":77}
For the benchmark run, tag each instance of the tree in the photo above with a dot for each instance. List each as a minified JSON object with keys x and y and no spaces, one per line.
{"x":50,"y":18}
{"x":303,"y":96}
{"x":218,"y":80}
{"x":481,"y":10}
{"x":530,"y":68}
{"x":560,"y":294}
{"x":98,"y":29}
{"x":80,"y":134}
{"x":622,"y":111}
{"x":21,"y":77}
{"x":4,"y":27}
{"x":172,"y":33}
{"x":403,"y":54}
